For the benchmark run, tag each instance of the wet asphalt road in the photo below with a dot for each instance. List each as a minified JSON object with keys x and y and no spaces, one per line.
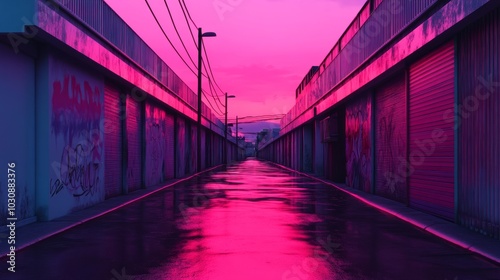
{"x":253,"y":221}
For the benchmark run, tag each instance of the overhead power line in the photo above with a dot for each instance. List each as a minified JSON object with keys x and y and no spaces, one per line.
{"x":168,"y":39}
{"x":177,"y":32}
{"x":209,"y":73}
{"x":187,"y":10}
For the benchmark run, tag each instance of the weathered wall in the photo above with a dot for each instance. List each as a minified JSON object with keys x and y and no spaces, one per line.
{"x":358,"y":143}
{"x":17,"y":109}
{"x":180,"y":147}
{"x":134,"y":143}
{"x":391,"y":139}
{"x":76,"y":139}
{"x":114,"y":114}
{"x":478,"y":126}
{"x":430,"y":165}
{"x":156,"y":145}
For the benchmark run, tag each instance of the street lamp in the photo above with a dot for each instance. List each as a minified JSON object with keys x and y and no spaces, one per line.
{"x":225,"y":129}
{"x":198,"y":130}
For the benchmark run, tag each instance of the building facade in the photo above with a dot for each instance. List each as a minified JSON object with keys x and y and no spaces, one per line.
{"x":405,"y":106}
{"x":89,"y":111}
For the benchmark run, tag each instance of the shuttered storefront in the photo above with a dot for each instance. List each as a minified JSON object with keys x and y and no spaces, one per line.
{"x":358,"y":135}
{"x":169,"y":146}
{"x":479,"y":126}
{"x":159,"y":145}
{"x":180,"y":148}
{"x":112,"y":142}
{"x":391,"y":139}
{"x":134,"y":148}
{"x":203,"y":149}
{"x":192,"y":149}
{"x":431,"y":158}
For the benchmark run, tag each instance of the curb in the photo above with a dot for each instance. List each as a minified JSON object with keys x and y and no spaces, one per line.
{"x":5,"y":251}
{"x":451,"y":232}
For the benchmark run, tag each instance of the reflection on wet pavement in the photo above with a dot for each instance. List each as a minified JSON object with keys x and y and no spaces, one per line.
{"x":252,"y":221}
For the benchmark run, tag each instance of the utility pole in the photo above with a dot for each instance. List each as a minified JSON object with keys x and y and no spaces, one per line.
{"x":199,"y":125}
{"x":198,"y":128}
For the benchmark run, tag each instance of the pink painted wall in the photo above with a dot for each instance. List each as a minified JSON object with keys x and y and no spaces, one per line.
{"x":76,"y":139}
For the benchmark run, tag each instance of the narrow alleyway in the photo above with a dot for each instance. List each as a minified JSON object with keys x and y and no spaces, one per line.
{"x":253,"y":221}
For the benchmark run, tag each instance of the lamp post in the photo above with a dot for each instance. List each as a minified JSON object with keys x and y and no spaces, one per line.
{"x":198,"y":129}
{"x":225,"y":129}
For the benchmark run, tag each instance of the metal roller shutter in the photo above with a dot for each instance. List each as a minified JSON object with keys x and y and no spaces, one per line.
{"x":112,"y":143}
{"x":134,"y":136}
{"x":431,"y":160}
{"x":192,"y":148}
{"x":478,"y":136}
{"x":180,"y":148}
{"x":169,"y":146}
{"x":155,"y":145}
{"x":390,"y":140}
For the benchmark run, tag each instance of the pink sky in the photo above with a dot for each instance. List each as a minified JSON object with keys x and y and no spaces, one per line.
{"x":263,"y":48}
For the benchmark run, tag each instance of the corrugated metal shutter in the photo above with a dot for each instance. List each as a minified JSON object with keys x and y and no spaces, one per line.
{"x":169,"y":146}
{"x":479,"y":126}
{"x":358,"y":135}
{"x":134,"y":136}
{"x":390,"y":139}
{"x":112,"y":142}
{"x":203,"y":148}
{"x":191,"y":145}
{"x":155,"y":145}
{"x":431,"y":161}
{"x":180,"y":148}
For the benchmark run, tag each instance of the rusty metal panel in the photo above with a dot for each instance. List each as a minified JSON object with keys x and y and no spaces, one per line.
{"x":358,"y":143}
{"x":134,"y":144}
{"x":478,"y":126}
{"x":431,"y":160}
{"x":112,"y":142}
{"x":391,"y":139}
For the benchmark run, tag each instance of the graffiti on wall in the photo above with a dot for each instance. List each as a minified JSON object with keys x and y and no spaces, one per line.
{"x":180,"y":147}
{"x":390,"y":145}
{"x":76,"y":155}
{"x":134,"y":134}
{"x":155,"y":145}
{"x":358,"y":144}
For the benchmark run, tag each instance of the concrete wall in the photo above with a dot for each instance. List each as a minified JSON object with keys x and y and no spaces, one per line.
{"x":17,"y":114}
{"x":58,"y":125}
{"x":70,"y":116}
{"x":358,"y":143}
{"x":422,"y":128}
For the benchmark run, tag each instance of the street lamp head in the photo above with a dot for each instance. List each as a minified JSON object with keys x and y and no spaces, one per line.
{"x":209,"y":34}
{"x":231,"y":96}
